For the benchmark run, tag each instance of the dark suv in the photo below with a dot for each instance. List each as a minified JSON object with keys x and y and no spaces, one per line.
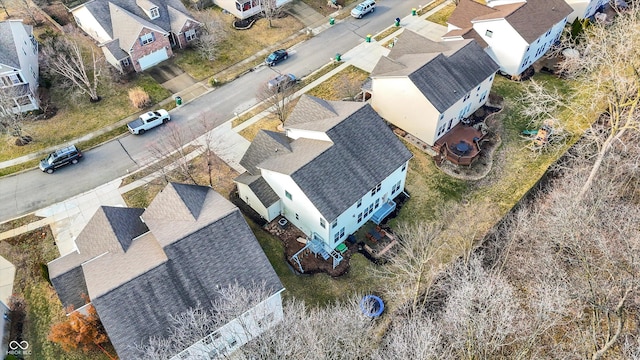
{"x":61,"y":157}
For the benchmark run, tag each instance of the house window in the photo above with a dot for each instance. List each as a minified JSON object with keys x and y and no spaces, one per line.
{"x":297,"y":217}
{"x":125,"y":62}
{"x":489,"y":33}
{"x":288,"y":195}
{"x":359,"y":217}
{"x":466,"y":97}
{"x":154,"y":13}
{"x":377,"y":202}
{"x":339,"y":235}
{"x":334,"y":223}
{"x":404,"y":166}
{"x":232,"y":342}
{"x":376,"y":189}
{"x":190,"y":34}
{"x":147,"y":38}
{"x":77,"y":19}
{"x":396,"y":187}
{"x":33,"y":73}
{"x":359,"y":203}
{"x":323,"y":223}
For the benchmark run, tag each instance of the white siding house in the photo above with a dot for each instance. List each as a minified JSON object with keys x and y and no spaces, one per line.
{"x":516,"y":32}
{"x":243,"y":9}
{"x":336,"y":165}
{"x":584,"y":9}
{"x":19,"y":70}
{"x":426,"y":87}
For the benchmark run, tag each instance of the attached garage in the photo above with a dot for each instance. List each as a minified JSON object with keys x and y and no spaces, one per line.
{"x":152,"y":59}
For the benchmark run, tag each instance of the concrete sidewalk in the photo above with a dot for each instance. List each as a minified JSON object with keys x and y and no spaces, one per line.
{"x":68,"y":218}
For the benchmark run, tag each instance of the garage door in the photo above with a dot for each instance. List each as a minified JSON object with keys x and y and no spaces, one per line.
{"x":153,"y":58}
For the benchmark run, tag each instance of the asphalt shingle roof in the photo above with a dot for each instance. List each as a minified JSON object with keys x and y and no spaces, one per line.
{"x":119,"y":17}
{"x":531,"y":18}
{"x":135,"y":292}
{"x":264,"y":145}
{"x":219,"y":255}
{"x":259,"y":187}
{"x":443,"y":77}
{"x":8,"y":49}
{"x":362,"y":151}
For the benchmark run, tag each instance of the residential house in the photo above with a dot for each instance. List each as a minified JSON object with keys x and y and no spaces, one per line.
{"x":336,"y":166}
{"x":243,"y":9}
{"x":426,"y":87}
{"x":516,"y":32}
{"x":138,"y":267}
{"x":135,"y":35}
{"x":19,"y":69}
{"x":585,"y":9}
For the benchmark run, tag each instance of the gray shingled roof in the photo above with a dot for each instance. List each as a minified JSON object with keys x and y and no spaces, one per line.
{"x":264,"y":145}
{"x":168,"y":21}
{"x":8,"y":50}
{"x":334,"y":174}
{"x":221,"y":254}
{"x":127,"y":26}
{"x":443,"y":78}
{"x":259,"y":187}
{"x":115,"y":50}
{"x":364,"y":152}
{"x":111,"y":229}
{"x":218,"y":250}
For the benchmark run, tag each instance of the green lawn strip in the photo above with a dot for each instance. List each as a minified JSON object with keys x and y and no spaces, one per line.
{"x":387,"y":32}
{"x":431,"y":6}
{"x":333,"y":88}
{"x":12,"y":224}
{"x":442,"y":15}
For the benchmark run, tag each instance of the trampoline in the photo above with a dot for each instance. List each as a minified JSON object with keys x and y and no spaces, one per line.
{"x":371,"y":306}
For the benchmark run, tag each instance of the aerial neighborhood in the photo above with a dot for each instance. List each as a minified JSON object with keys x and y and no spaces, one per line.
{"x":317,"y":179}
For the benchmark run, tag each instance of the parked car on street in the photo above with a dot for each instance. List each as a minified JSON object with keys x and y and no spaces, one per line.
{"x":363,"y":9}
{"x":276,"y":56}
{"x":60,"y":157}
{"x":148,"y":121}
{"x":282,"y":82}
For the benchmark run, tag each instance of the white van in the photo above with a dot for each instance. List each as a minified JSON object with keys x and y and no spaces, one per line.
{"x":363,"y":8}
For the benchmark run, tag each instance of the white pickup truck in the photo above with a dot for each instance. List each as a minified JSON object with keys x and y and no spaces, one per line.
{"x":148,"y":121}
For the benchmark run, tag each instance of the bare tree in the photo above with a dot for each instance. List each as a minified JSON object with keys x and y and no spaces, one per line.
{"x":12,"y":119}
{"x":171,"y":155}
{"x":586,"y":252}
{"x":3,"y":5}
{"x":412,"y":337}
{"x":277,"y":98}
{"x":607,"y":78}
{"x":415,"y":264}
{"x":270,"y":10}
{"x":30,"y":10}
{"x":64,"y":56}
{"x":210,"y":34}
{"x":482,"y":314}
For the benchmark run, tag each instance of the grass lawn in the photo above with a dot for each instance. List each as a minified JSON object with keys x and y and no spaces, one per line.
{"x":238,"y":45}
{"x":442,"y":15}
{"x":318,"y":289}
{"x":77,"y":116}
{"x":345,"y":84}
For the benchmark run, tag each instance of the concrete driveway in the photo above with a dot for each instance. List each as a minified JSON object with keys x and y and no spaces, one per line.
{"x":171,"y":77}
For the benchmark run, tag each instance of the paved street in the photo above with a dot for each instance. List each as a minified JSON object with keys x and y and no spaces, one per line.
{"x":32,"y":190}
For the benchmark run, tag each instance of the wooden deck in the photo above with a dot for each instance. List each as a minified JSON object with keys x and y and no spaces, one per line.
{"x":459,"y":145}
